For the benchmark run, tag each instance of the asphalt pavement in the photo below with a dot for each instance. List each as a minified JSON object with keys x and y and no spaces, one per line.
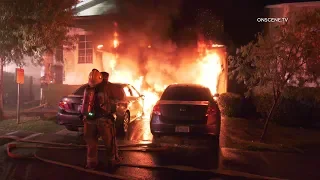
{"x":195,"y":154}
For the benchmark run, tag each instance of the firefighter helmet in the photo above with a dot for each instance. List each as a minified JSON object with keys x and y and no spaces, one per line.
{"x":95,"y":78}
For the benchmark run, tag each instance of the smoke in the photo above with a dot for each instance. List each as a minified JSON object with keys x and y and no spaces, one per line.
{"x":149,"y":52}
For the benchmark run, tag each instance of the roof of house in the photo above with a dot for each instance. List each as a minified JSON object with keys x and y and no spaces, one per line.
{"x":95,"y":7}
{"x":298,"y":4}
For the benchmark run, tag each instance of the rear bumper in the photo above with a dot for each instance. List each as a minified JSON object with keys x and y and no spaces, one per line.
{"x":164,"y":128}
{"x":69,"y":119}
{"x":167,"y":129}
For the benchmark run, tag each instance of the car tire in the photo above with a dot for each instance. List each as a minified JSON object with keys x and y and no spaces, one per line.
{"x":217,"y":151}
{"x":71,"y":128}
{"x":216,"y":141}
{"x":122,"y":124}
{"x":157,"y":136}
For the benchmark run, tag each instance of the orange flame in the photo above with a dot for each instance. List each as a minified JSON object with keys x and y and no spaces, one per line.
{"x":115,"y":43}
{"x":207,"y":67}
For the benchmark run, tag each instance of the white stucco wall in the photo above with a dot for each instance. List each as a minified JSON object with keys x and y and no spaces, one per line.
{"x":76,"y":74}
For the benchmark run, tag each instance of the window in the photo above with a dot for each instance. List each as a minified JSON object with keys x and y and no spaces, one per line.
{"x":59,"y":54}
{"x":186,"y":94}
{"x":85,"y":49}
{"x":127,"y":91}
{"x":134,"y":92}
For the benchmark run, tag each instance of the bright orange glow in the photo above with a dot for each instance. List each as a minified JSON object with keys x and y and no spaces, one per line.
{"x":211,"y":69}
{"x":207,"y":69}
{"x":100,"y":46}
{"x":115,"y":43}
{"x":217,"y":45}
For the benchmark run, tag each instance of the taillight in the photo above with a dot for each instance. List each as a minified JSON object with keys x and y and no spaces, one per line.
{"x":156,"y":110}
{"x":212,"y":114}
{"x":212,"y":110}
{"x":64,"y":105}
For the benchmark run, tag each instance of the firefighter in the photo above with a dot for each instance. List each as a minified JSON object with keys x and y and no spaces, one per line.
{"x":98,"y":121}
{"x":112,"y":98}
{"x":105,"y":76}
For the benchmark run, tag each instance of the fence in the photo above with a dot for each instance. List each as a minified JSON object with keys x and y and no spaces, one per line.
{"x":28,"y":91}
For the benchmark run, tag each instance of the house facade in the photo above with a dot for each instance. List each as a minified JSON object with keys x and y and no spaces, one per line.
{"x":72,"y":67}
{"x":282,"y":11}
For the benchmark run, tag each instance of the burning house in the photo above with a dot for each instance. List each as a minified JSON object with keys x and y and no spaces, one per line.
{"x":133,"y":54}
{"x":72,"y":66}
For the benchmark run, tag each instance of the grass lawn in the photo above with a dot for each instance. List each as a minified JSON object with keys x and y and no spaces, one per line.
{"x":245,"y":134}
{"x":31,"y":124}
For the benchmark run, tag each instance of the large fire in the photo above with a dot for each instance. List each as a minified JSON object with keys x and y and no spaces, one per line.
{"x":207,"y":69}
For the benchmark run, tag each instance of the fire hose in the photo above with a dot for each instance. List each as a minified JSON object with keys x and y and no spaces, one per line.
{"x":71,"y":146}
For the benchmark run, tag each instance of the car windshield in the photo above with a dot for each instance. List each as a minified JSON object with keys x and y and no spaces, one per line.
{"x":186,"y":93}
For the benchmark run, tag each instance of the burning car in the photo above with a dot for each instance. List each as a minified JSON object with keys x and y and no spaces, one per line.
{"x":129,"y":106}
{"x":186,"y":109}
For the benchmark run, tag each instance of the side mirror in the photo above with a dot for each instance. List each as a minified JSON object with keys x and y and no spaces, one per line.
{"x":142,"y":96}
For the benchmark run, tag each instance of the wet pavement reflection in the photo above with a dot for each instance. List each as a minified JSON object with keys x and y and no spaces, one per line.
{"x":196,"y":152}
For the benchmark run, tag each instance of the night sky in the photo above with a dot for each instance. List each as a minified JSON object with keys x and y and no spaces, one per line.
{"x":239,"y":16}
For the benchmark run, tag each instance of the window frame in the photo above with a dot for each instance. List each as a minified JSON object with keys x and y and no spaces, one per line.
{"x":129,"y":90}
{"x":134,"y":90}
{"x":86,"y":58}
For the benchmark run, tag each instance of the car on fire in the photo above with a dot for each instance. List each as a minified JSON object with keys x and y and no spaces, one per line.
{"x":129,"y":106}
{"x":185,"y":109}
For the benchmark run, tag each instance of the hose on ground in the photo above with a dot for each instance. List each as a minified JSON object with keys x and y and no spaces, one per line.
{"x":15,"y":138}
{"x":12,"y":146}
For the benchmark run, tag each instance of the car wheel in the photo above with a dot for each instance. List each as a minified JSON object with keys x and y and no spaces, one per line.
{"x":157,"y":136}
{"x":71,"y":128}
{"x":216,"y":141}
{"x":216,"y":151}
{"x":126,"y":121}
{"x":122,"y":124}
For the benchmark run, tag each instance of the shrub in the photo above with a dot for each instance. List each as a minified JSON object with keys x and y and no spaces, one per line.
{"x":54,"y":92}
{"x":299,"y":107}
{"x":231,"y":104}
{"x":263,"y":104}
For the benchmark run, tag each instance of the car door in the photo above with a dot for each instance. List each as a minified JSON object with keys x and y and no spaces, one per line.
{"x":137,"y":103}
{"x":119,"y":99}
{"x":131,"y":100}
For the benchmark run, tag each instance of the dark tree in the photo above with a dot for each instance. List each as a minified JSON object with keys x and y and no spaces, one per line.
{"x":289,"y":56}
{"x":31,"y":28}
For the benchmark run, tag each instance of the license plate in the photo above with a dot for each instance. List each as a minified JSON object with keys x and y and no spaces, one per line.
{"x":182,"y":129}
